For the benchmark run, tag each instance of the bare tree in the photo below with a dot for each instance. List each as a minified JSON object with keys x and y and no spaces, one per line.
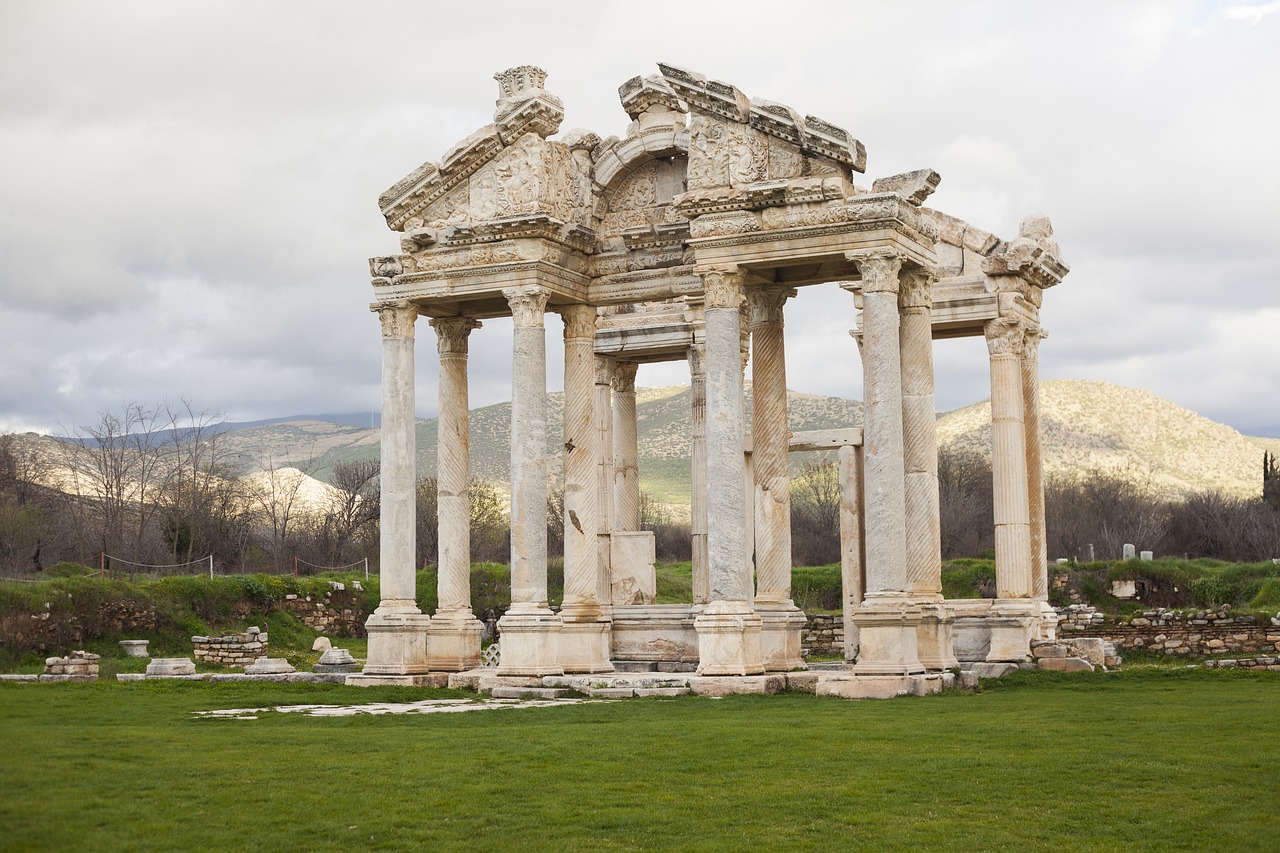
{"x":354,"y":505}
{"x":277,"y":494}
{"x":965,"y":503}
{"x":815,"y":514}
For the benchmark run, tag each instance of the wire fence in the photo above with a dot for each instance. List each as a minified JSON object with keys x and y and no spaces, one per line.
{"x":119,"y":568}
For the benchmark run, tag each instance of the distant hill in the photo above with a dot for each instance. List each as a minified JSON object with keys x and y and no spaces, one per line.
{"x":1087,"y":426}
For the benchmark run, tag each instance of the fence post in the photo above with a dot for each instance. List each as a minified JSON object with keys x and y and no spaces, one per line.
{"x":295,"y":566}
{"x":366,"y":568}
{"x":102,"y":564}
{"x":210,"y":567}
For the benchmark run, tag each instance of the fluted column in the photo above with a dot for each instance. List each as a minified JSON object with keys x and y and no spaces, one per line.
{"x":604,"y":469}
{"x":920,"y":463}
{"x":626,"y":457}
{"x":1005,"y":340}
{"x":397,"y":628}
{"x":584,"y":637}
{"x":698,"y":488}
{"x":728,"y":628}
{"x":453,"y":640}
{"x":530,"y":632}
{"x":783,"y":622}
{"x":770,"y":440}
{"x":886,"y":621}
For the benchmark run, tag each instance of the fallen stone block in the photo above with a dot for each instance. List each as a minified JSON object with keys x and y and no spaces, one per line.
{"x":1066,"y":665}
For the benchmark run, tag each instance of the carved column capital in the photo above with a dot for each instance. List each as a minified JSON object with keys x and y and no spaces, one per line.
{"x":452,"y":334}
{"x":698,"y":361}
{"x":397,"y":319}
{"x":624,"y":376}
{"x":1004,"y":337}
{"x":1031,"y":343}
{"x":722,"y":286}
{"x":916,"y":288}
{"x":579,"y":321}
{"x":767,"y":304}
{"x":604,"y":370}
{"x":879,"y":268}
{"x":528,"y":304}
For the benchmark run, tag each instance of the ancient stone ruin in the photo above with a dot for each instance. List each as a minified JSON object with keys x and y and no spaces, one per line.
{"x":684,"y":240}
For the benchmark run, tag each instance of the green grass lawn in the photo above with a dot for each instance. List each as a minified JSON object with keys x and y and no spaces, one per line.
{"x":1150,"y":759}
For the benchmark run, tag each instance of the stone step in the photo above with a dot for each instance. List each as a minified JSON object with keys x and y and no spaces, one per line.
{"x":529,"y":693}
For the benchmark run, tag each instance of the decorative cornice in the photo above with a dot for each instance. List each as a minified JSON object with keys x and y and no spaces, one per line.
{"x":528,"y":305}
{"x":879,"y":268}
{"x":722,"y":286}
{"x":397,"y":319}
{"x":452,"y":334}
{"x":579,"y":322}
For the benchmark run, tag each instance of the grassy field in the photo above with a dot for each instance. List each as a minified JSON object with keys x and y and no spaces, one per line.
{"x":1150,"y":759}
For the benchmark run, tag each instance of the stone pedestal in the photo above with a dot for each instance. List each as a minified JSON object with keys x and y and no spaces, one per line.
{"x":530,"y":644}
{"x":887,"y":642}
{"x":584,"y":641}
{"x":781,"y":628}
{"x":1013,"y":623}
{"x":397,"y":649}
{"x":453,"y":641}
{"x":633,"y":578}
{"x":655,"y":632}
{"x":728,"y":639}
{"x":934,"y":637}
{"x":135,"y":648}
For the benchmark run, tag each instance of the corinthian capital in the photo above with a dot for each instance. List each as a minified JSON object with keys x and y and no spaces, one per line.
{"x":579,"y":321}
{"x":879,"y":268}
{"x":528,"y":304}
{"x":1031,"y":343}
{"x":916,"y":288}
{"x":722,"y":286}
{"x":1004,"y":337}
{"x":397,"y":319}
{"x":767,"y":303}
{"x":624,"y":376}
{"x":452,"y":334}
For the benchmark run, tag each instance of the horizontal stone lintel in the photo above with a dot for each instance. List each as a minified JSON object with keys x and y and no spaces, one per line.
{"x":824,"y":439}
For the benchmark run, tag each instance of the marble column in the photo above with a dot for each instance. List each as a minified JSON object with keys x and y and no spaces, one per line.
{"x":584,"y":637}
{"x":626,"y":456}
{"x":604,"y":470}
{"x":852,"y":563}
{"x":698,"y":486}
{"x":1035,"y":483}
{"x":397,"y":628}
{"x":453,"y":640}
{"x":728,"y":627}
{"x":920,"y":462}
{"x":887,"y":619}
{"x":529,"y":630}
{"x":783,"y":622}
{"x":1012,"y":617}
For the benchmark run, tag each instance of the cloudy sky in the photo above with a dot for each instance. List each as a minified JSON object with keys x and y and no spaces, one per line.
{"x":188,"y":189}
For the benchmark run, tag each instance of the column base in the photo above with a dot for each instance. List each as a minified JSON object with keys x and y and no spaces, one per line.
{"x":1048,"y":629}
{"x":397,"y":643}
{"x":453,"y":642}
{"x":530,"y":644}
{"x":584,"y":640}
{"x":1014,"y":623}
{"x":934,"y":642}
{"x":887,"y":637}
{"x":728,"y":639}
{"x":781,"y":627}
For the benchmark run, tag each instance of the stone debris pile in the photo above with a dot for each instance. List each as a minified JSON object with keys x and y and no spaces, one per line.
{"x":1078,"y":654}
{"x":232,"y":649}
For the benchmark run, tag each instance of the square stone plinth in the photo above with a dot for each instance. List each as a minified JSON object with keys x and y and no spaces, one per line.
{"x":422,"y":679}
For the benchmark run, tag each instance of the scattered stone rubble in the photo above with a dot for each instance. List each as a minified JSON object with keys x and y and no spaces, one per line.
{"x":1195,"y":633}
{"x":233,"y":649}
{"x":1079,"y":654}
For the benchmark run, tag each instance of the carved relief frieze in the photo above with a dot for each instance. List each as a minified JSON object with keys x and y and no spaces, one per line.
{"x":708,"y":153}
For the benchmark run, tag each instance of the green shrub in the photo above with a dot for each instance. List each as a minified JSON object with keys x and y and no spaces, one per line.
{"x":68,"y":570}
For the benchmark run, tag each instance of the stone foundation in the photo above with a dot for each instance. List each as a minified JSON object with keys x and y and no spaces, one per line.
{"x":232,"y":649}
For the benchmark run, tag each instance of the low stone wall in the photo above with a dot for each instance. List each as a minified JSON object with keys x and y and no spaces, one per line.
{"x":823,"y":635}
{"x":231,"y":650}
{"x":1197,"y":633}
{"x":1262,"y":662}
{"x":339,"y":611}
{"x":77,"y":666}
